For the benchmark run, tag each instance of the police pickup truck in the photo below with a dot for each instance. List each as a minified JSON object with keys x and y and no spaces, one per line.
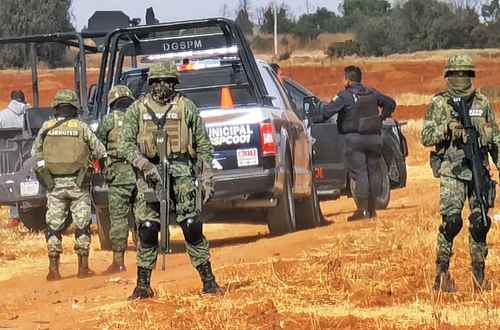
{"x":332,"y":178}
{"x":263,"y":152}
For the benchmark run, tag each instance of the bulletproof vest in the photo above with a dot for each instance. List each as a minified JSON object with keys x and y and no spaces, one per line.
{"x":179,"y":137}
{"x":364,"y":117}
{"x":64,"y":149}
{"x":114,"y":134}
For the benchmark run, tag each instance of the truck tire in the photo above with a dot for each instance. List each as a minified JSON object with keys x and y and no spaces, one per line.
{"x":383,"y":196}
{"x":308,"y":211}
{"x":281,"y":218}
{"x":395,"y":161}
{"x":33,"y":218}
{"x":103,"y":226}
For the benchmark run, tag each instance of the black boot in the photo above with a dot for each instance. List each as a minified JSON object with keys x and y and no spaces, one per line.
{"x":118,"y":265}
{"x":478,"y":278}
{"x":83,"y":267}
{"x":210,"y":286}
{"x":362,"y":212}
{"x":53,"y":274}
{"x":372,"y":209}
{"x":443,"y":281}
{"x":143,"y":289}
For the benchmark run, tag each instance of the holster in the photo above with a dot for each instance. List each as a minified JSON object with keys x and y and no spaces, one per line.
{"x":45,"y":178}
{"x":436,"y":159}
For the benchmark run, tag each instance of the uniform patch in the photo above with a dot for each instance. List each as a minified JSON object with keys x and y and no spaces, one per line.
{"x":146,"y":116}
{"x":120,"y":123}
{"x":64,"y":132}
{"x":172,"y":115}
{"x":476,"y":112}
{"x":73,"y":124}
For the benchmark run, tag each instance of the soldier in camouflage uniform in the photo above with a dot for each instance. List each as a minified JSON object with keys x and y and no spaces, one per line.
{"x":443,"y":130}
{"x":188,"y":146}
{"x":120,"y":175}
{"x":61,"y":156}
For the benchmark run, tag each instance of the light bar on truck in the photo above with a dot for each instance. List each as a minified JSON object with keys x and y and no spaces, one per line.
{"x":233,"y":50}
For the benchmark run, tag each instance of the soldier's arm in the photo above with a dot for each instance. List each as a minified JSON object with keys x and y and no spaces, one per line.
{"x":127,"y":148}
{"x":201,"y":141}
{"x":97,"y":149}
{"x":103,"y":129}
{"x":36,"y":148}
{"x":434,"y":128}
{"x":494,"y":146}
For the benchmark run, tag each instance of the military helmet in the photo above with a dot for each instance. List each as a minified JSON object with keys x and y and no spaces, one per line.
{"x":163,"y":70}
{"x":66,"y":96}
{"x":119,"y":91}
{"x":460,"y":62}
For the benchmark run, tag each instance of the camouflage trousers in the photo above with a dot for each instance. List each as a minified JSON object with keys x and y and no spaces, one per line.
{"x":121,"y":200}
{"x":67,"y":198}
{"x":453,"y":194}
{"x":183,"y":193}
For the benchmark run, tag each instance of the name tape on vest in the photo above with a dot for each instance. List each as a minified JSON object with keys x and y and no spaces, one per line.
{"x":64,"y":132}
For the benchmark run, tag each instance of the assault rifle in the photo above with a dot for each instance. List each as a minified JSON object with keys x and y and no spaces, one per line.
{"x":474,"y":157}
{"x":163,"y":193}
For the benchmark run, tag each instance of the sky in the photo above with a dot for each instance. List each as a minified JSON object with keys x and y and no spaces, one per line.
{"x":171,"y":10}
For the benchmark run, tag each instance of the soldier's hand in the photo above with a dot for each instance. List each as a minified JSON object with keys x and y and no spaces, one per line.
{"x":151,"y":174}
{"x":208,"y":184}
{"x":456,"y":130}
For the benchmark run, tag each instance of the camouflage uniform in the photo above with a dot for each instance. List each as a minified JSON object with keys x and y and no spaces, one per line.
{"x":70,"y":192}
{"x":442,"y":130}
{"x":137,"y":146}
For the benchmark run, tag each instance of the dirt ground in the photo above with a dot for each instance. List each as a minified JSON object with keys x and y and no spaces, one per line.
{"x":367,"y":275}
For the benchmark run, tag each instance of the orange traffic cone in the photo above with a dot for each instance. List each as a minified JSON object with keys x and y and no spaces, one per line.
{"x":226,"y":100}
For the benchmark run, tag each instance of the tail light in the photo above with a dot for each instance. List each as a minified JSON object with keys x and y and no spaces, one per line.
{"x":319,"y":172}
{"x":267,"y":140}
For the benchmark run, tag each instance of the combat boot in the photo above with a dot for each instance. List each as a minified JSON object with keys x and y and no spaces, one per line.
{"x":53,"y":274}
{"x":118,"y":265}
{"x":143,"y":289}
{"x":210,"y":286}
{"x":372,"y":209}
{"x":478,"y":278}
{"x":443,"y":281}
{"x":362,"y":212}
{"x":83,"y":267}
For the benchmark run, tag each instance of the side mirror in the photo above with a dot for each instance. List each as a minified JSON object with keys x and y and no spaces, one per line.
{"x":311,"y":105}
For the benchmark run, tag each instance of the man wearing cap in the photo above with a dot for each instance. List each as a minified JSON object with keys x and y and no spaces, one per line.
{"x":443,"y":130}
{"x":120,"y":175}
{"x":62,"y":154}
{"x":163,"y":111}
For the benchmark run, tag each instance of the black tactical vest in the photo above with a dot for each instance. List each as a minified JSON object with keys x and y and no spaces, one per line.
{"x":364,"y":118}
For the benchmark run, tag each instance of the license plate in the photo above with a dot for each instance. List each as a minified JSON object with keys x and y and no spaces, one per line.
{"x":29,"y":188}
{"x":247,"y":157}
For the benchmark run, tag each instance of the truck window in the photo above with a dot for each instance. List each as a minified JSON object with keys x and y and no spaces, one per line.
{"x":280,"y":99}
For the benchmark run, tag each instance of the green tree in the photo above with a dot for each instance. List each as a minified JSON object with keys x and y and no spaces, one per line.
{"x":25,"y":17}
{"x":243,"y":18}
{"x":309,"y":26}
{"x":355,"y":11}
{"x":285,"y":22}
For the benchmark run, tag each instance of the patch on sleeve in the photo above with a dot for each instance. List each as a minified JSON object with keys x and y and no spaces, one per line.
{"x":476,"y":112}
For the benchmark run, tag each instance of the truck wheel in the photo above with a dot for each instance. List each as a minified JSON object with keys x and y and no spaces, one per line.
{"x":33,"y":218}
{"x":395,"y":161}
{"x":281,"y":219}
{"x":103,"y":226}
{"x":383,"y":196}
{"x":307,"y":211}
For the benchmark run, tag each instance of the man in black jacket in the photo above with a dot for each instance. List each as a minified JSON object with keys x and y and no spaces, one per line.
{"x":360,"y":121}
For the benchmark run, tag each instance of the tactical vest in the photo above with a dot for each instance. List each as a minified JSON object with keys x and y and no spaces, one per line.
{"x":64,"y":149}
{"x":364,"y":118}
{"x":179,"y":135}
{"x":114,"y":134}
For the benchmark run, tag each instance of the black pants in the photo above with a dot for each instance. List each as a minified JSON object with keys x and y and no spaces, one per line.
{"x":362,"y":156}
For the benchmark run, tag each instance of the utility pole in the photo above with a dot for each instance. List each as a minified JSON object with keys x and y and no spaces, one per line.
{"x":307,"y":7}
{"x":275,"y":28}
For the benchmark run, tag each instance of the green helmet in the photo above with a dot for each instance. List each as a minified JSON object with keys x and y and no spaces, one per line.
{"x":460,"y":62}
{"x":66,"y":96}
{"x":119,"y":91}
{"x":163,"y":70}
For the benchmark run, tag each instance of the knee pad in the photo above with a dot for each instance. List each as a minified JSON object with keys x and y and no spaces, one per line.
{"x":192,"y":230}
{"x":49,"y":233}
{"x":451,"y":226}
{"x":478,"y":229}
{"x":82,"y":232}
{"x":148,"y":233}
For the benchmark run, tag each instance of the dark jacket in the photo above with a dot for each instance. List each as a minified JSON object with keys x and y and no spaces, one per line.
{"x":345,"y":101}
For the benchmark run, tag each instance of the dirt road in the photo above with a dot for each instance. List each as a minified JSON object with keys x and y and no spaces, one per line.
{"x":374,"y":274}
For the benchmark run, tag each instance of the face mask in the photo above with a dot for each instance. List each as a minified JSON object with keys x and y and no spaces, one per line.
{"x":162,"y":91}
{"x":460,"y":86}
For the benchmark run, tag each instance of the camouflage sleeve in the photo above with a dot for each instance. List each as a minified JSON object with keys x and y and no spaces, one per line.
{"x":435,"y":127}
{"x":97,"y":149}
{"x":127,"y":148}
{"x":103,"y":130}
{"x":36,"y":148}
{"x":494,"y":146}
{"x":201,"y":141}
